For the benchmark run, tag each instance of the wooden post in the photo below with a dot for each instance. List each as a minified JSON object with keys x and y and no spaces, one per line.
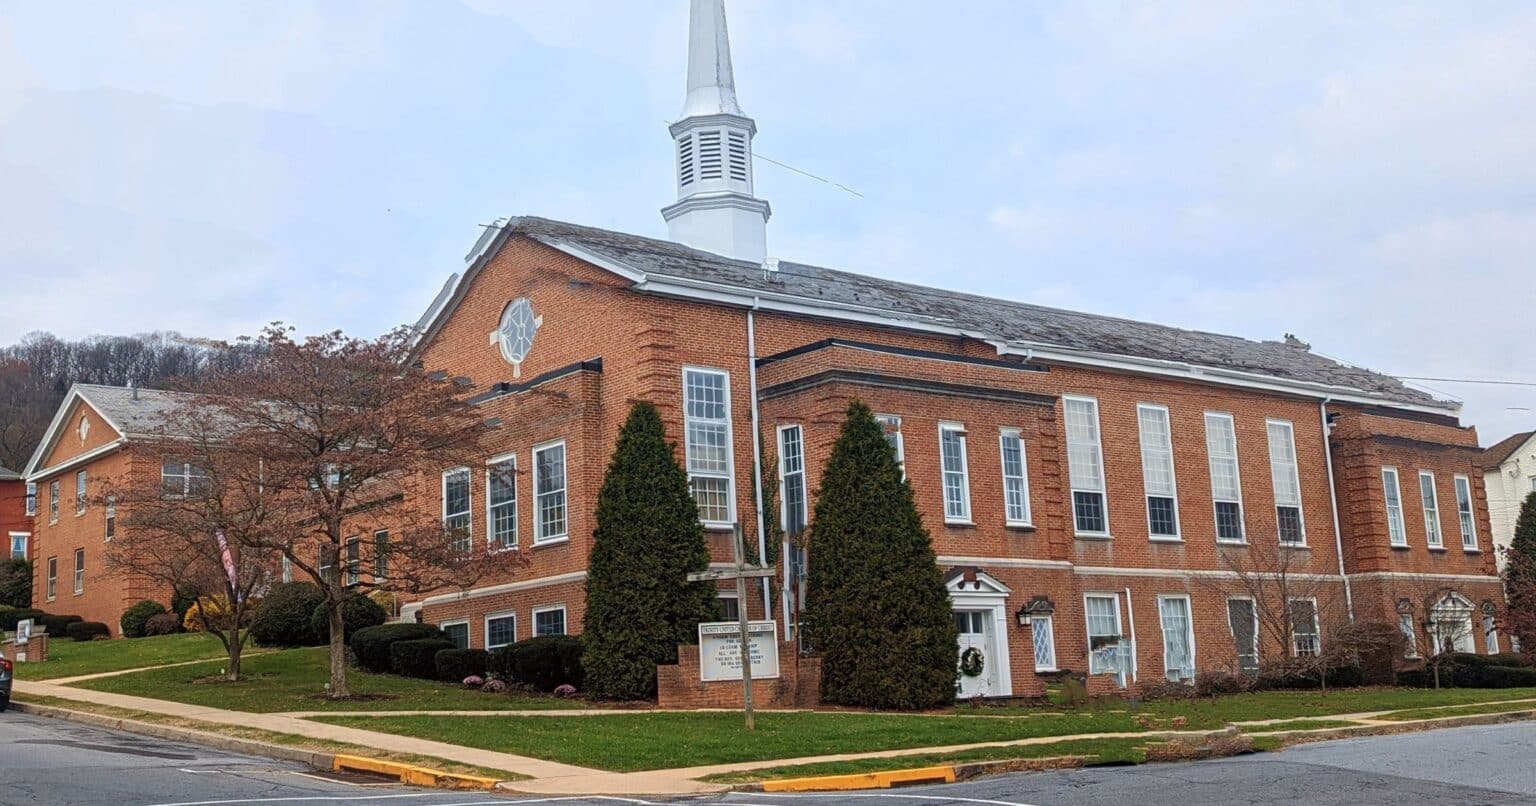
{"x":746,"y":642}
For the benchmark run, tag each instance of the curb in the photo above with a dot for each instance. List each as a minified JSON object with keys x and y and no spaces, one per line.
{"x":1294,"y":737}
{"x":411,"y":774}
{"x":319,"y":761}
{"x":867,"y":780}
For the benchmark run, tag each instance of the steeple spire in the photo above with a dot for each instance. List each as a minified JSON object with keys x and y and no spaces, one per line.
{"x":715,"y":210}
{"x":711,"y":83}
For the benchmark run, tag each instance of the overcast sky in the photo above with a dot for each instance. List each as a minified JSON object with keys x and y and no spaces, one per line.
{"x":1363,"y":175}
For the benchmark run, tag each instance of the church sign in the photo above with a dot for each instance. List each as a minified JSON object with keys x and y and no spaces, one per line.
{"x":720,"y":650}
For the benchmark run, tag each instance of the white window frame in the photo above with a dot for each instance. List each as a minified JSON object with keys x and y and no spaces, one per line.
{"x":1295,"y":461}
{"x":540,"y":538}
{"x":489,"y":617}
{"x":287,"y":569}
{"x":469,"y":506}
{"x":469,"y":635}
{"x":1211,"y":459}
{"x":380,"y":558}
{"x":109,"y":520}
{"x":53,"y":502}
{"x":1088,"y":628}
{"x":31,"y":499}
{"x":1173,"y":477}
{"x":351,"y":561}
{"x":1011,"y":514}
{"x":79,"y":571}
{"x":1317,"y":627}
{"x":890,"y":425}
{"x":1466,"y":518}
{"x":26,"y":544}
{"x":1434,"y":536}
{"x":786,"y":472}
{"x":1490,"y":634}
{"x":1410,"y":635}
{"x":1258,"y":637}
{"x":730,"y":446}
{"x":730,"y":596}
{"x":1103,"y":491}
{"x":962,"y":517}
{"x":491,"y":541}
{"x":1397,"y":530}
{"x":565,"y":619}
{"x":52,"y":591}
{"x":81,"y":485}
{"x":1189,"y":634}
{"x":1049,"y":635}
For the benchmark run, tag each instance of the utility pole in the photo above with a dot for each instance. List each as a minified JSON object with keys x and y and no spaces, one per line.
{"x":740,"y":573}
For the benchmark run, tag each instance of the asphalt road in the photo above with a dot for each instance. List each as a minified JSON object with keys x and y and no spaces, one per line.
{"x":45,"y":761}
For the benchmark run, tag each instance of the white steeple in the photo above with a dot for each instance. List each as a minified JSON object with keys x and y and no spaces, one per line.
{"x":715,"y":210}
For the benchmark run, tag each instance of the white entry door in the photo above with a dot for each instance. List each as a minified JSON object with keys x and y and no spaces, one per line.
{"x":976,"y":631}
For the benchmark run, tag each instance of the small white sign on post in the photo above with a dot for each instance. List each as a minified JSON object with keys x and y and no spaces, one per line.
{"x":23,"y":635}
{"x":720,"y":650}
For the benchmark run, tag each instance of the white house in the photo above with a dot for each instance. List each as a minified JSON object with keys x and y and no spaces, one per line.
{"x":1510,"y":475}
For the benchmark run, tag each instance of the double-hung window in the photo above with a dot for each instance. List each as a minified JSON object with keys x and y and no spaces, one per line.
{"x":1432,"y":536}
{"x":354,"y":560}
{"x":79,"y":571}
{"x":1464,"y":514}
{"x":178,"y":478}
{"x":501,"y":502}
{"x":500,"y":630}
{"x":456,"y":507}
{"x":1393,"y":494}
{"x":1410,"y":635}
{"x":380,"y":554}
{"x":1178,"y":638}
{"x":31,"y":499}
{"x":111,"y":514}
{"x":1157,"y":472}
{"x":1490,"y":635}
{"x":19,"y":545}
{"x":707,"y":425}
{"x":457,"y":632}
{"x":1103,"y":616}
{"x":80,"y":487}
{"x":957,"y":484}
{"x":549,"y":620}
{"x":891,"y":425}
{"x":53,"y":501}
{"x":792,"y":479}
{"x":1015,"y":478}
{"x":1226,"y":478}
{"x":1305,"y":640}
{"x":53,"y":578}
{"x":549,"y":522}
{"x":1085,"y":465}
{"x":1287,"y":483}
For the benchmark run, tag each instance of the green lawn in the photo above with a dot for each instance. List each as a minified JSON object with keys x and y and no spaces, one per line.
{"x":1094,"y":751}
{"x":295,"y":679}
{"x":68,"y":658}
{"x":1299,"y":724}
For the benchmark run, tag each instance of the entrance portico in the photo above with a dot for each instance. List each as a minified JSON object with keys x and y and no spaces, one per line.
{"x":979,"y":602}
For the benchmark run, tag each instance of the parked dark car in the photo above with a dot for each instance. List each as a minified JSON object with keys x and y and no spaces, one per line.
{"x":6,"y":671}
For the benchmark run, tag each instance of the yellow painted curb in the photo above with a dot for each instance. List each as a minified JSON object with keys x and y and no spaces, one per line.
{"x":867,"y":780}
{"x":411,"y":774}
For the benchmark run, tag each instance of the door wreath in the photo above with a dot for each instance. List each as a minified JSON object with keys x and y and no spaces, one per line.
{"x":972,"y":662}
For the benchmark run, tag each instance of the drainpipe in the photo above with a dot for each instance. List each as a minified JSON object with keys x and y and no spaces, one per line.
{"x":1130,"y":614}
{"x":1333,"y":502}
{"x":757,"y":454}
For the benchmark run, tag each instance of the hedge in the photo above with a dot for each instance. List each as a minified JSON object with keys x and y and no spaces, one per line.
{"x":1494,"y":676}
{"x":58,"y":626}
{"x":282,"y":618}
{"x":453,"y":665}
{"x":417,"y":657}
{"x":88,"y":630}
{"x":543,"y":663}
{"x":136,"y":616}
{"x":8,"y":618}
{"x":371,"y":645}
{"x":358,"y":612}
{"x":162,"y":624}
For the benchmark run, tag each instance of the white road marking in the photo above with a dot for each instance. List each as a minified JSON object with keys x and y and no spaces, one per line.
{"x":559,"y":799}
{"x":808,"y":795}
{"x":340,"y":781}
{"x":311,"y":799}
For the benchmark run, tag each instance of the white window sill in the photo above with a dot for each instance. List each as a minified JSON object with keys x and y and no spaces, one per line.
{"x":718,"y":527}
{"x":1019,"y":525}
{"x":551,"y":541}
{"x":503,"y":549}
{"x":1164,"y":539}
{"x":1465,"y":550}
{"x":1093,"y":535}
{"x":1438,"y":548}
{"x":1399,"y":545}
{"x":1046,"y":670}
{"x":1296,"y":546}
{"x":1223,"y":542}
{"x":966,"y":523}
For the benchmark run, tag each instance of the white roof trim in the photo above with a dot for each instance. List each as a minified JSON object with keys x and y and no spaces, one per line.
{"x":56,"y":426}
{"x":76,"y":461}
{"x":985,"y":584}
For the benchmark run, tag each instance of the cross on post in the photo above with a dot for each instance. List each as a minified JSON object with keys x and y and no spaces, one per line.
{"x":741,"y":573}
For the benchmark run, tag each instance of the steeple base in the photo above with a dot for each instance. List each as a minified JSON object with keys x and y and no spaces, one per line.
{"x":726,"y":223}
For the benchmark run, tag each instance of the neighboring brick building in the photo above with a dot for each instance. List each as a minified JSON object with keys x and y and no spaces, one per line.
{"x":15,"y":516}
{"x":98,"y":436}
{"x":1090,"y":483}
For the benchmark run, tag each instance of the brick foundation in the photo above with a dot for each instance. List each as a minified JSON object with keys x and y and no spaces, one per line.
{"x":797,"y":686}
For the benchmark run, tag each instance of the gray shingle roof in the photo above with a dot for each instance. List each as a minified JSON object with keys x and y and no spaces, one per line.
{"x":140,"y":414}
{"x":7,"y":474}
{"x":986,"y":317}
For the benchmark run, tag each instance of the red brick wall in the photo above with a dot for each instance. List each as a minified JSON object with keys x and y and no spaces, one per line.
{"x":13,"y":514}
{"x":797,"y":686}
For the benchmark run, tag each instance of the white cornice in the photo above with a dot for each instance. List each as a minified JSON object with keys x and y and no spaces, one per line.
{"x":492,"y":590}
{"x":56,"y":429}
{"x":76,"y":461}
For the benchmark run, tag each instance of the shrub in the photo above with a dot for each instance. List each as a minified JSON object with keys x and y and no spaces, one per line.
{"x":542,"y":663}
{"x":16,"y":583}
{"x":134,"y":618}
{"x":494,"y":687}
{"x":1210,"y":684}
{"x":370,"y":645}
{"x":566,"y":690}
{"x":417,"y":657}
{"x":8,"y":618}
{"x":162,"y":624}
{"x":473,"y":681}
{"x":357,"y":612}
{"x":88,"y":630}
{"x":58,"y":626}
{"x":216,"y":608}
{"x":876,"y":605}
{"x":1493,"y":676}
{"x":182,"y":600}
{"x":283,"y":617}
{"x":454,"y":665}
{"x":648,"y":538}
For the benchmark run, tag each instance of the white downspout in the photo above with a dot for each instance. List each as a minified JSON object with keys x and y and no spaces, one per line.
{"x":1130,"y":615}
{"x":757,"y":455}
{"x":1333,"y":502}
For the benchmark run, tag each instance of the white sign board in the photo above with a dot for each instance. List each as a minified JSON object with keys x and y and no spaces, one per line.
{"x":720,"y":650}
{"x":23,"y":631}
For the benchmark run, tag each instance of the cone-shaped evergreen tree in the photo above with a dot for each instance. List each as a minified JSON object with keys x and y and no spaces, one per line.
{"x":876,"y":607}
{"x":640,"y":605}
{"x":1520,"y":573}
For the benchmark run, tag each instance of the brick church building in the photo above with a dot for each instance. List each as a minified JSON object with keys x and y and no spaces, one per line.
{"x":1104,"y":495}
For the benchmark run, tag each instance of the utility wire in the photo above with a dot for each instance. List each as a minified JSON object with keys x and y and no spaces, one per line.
{"x":807,"y":173}
{"x":1466,"y":380}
